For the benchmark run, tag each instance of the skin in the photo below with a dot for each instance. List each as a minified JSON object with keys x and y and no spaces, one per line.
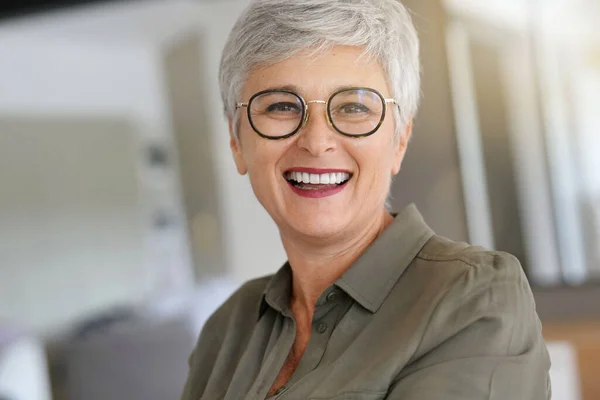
{"x":322,"y":237}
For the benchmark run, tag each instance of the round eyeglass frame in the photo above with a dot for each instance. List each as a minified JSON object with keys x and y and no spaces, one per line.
{"x":305,"y":114}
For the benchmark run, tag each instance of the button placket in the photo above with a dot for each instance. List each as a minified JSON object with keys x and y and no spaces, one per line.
{"x":275,"y":360}
{"x":281,"y":391}
{"x":321,"y":327}
{"x":331,"y":297}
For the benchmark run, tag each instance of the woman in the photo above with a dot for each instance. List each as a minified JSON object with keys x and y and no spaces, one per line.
{"x":320,"y":96}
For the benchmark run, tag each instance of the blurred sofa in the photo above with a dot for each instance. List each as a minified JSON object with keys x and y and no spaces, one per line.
{"x":143,"y":359}
{"x":138,"y":353}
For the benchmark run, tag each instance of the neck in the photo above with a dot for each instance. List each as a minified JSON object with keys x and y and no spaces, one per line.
{"x":316,"y":266}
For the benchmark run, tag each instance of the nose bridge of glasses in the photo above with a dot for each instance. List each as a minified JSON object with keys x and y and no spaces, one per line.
{"x":307,"y":113}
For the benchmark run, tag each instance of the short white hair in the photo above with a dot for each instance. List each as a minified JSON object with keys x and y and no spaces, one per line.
{"x":270,"y":31}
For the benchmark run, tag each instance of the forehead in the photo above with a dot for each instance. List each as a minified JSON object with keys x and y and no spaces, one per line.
{"x":319,"y":76}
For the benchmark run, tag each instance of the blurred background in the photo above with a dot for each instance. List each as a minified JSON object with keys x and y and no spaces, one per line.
{"x":123,"y":223}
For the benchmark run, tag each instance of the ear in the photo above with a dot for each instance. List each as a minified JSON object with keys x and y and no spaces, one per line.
{"x":400,"y":147}
{"x":236,"y":150}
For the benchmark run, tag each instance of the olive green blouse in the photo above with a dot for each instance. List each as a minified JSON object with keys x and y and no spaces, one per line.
{"x":416,"y":317}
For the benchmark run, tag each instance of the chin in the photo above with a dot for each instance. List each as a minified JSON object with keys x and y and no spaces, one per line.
{"x":318,"y":226}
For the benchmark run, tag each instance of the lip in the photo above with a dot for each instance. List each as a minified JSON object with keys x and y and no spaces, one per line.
{"x":318,"y":194}
{"x":321,"y":193}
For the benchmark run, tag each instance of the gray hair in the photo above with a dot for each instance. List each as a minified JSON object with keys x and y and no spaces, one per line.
{"x":269,"y":31}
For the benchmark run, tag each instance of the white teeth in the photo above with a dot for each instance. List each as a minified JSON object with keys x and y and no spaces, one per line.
{"x":316,"y":179}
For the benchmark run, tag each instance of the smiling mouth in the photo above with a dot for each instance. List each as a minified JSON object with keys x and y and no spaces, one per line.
{"x":306,"y":181}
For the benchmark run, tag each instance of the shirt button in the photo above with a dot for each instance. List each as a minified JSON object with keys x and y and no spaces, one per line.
{"x":322,"y":327}
{"x":332,"y":296}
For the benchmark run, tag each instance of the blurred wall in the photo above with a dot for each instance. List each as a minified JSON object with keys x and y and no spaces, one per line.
{"x":71,"y":238}
{"x":190,"y":109}
{"x":60,"y":71}
{"x":430,"y":175}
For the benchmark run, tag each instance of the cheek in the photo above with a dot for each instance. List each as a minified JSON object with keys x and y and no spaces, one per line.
{"x":251,"y":147}
{"x":262,"y":156}
{"x":375,"y":157}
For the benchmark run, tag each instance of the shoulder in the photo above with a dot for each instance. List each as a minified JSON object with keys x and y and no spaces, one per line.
{"x":465,"y":284}
{"x":481,"y":305}
{"x":219,"y":341}
{"x":467,"y":268}
{"x":475,"y":285}
{"x":479,"y":319}
{"x":242,"y":305}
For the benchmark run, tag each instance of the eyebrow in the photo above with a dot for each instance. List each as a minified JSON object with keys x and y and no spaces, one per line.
{"x":291,"y":88}
{"x":296,"y":89}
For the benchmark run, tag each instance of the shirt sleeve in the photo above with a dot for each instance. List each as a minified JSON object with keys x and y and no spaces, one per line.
{"x":483,"y":342}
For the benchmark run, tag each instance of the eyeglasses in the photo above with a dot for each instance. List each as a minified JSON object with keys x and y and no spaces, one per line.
{"x":279,"y":114}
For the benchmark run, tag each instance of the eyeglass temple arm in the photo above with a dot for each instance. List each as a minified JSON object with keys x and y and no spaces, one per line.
{"x":239,"y":105}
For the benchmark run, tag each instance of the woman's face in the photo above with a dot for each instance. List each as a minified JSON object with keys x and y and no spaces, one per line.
{"x":324,"y":210}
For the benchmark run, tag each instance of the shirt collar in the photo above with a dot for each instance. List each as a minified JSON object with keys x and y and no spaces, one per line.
{"x":278,"y":292}
{"x":371,"y":278}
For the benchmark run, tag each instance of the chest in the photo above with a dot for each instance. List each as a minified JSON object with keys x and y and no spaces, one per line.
{"x":347,"y":352}
{"x":291,"y":363}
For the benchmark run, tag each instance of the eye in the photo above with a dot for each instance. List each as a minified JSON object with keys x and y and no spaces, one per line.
{"x":284,"y":107}
{"x":352,"y":108}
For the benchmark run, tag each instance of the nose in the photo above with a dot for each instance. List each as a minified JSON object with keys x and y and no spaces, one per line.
{"x":316,"y":136}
